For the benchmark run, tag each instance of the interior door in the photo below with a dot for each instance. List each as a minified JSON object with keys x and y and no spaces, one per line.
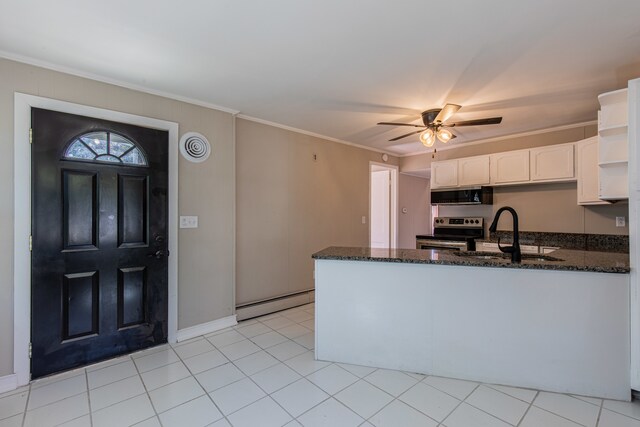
{"x":99,"y":228}
{"x":380,"y":209}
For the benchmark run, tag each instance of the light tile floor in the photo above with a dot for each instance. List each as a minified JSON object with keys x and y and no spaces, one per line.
{"x":262,"y":373}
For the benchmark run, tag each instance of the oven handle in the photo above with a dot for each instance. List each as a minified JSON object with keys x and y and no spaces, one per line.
{"x":444,"y":244}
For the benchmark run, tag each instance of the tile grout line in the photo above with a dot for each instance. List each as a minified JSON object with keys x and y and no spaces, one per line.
{"x":293,"y":418}
{"x":26,"y":407}
{"x":507,"y":394}
{"x":558,"y":415}
{"x":528,"y":409}
{"x":275,"y":391}
{"x":494,"y":415}
{"x":206,"y":393}
{"x":459,"y":404}
{"x":86,"y":379}
{"x":135,"y":365}
{"x":600,"y":412}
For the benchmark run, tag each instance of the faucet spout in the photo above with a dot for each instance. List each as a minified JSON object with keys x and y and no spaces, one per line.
{"x":514,"y":249}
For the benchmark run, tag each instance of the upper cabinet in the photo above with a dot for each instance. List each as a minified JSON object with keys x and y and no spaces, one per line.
{"x":552,"y":163}
{"x":510,"y":167}
{"x":613,"y":144}
{"x":544,"y":164}
{"x":467,"y":172}
{"x":587,"y":172}
{"x":444,"y":174}
{"x":473,"y":171}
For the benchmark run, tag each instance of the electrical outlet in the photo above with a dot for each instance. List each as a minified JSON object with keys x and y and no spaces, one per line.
{"x":188,"y":222}
{"x":620,"y":221}
{"x":364,"y":219}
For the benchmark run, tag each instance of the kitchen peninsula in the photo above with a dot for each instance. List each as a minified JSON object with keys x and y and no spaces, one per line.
{"x":558,"y":324}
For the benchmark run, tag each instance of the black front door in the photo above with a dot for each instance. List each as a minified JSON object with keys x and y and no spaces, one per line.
{"x":99,"y":230}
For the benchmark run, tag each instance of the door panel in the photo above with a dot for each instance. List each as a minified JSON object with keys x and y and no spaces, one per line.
{"x":79,"y":305}
{"x":79,"y":217}
{"x":132,"y":286}
{"x":99,"y":260}
{"x":132,"y":211}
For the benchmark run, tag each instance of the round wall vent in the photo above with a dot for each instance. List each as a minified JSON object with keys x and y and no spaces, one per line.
{"x":195,"y":147}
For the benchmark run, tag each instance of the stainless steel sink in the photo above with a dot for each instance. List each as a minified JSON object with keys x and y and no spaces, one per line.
{"x":500,"y":256}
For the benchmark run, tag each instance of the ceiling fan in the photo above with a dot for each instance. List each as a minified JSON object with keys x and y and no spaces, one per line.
{"x":435,"y":126}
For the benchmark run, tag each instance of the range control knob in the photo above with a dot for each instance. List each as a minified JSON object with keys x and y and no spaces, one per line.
{"x":477,"y":222}
{"x":466,"y":221}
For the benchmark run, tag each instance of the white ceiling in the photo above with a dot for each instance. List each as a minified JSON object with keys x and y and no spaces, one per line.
{"x":337,"y":67}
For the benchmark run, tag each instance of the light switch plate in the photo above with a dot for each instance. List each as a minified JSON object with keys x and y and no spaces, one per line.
{"x":620,"y":221}
{"x":188,"y":222}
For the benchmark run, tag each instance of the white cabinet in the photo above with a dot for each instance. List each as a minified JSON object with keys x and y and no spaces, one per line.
{"x":587,"y":172}
{"x":473,"y":171}
{"x":552,"y":163}
{"x":444,"y":174}
{"x":510,"y":167}
{"x":613,"y":145}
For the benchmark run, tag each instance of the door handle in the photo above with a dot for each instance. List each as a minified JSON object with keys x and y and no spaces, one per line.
{"x":157,"y":255}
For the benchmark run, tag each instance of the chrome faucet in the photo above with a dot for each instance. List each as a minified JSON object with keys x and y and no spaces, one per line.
{"x":514,"y":249}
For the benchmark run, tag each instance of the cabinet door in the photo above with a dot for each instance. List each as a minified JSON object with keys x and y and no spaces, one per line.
{"x":444,"y":174}
{"x":552,"y":163}
{"x":473,"y":171}
{"x":510,"y":167}
{"x":587,"y":171}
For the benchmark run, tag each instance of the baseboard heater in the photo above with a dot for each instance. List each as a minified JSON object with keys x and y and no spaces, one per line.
{"x":271,"y":305}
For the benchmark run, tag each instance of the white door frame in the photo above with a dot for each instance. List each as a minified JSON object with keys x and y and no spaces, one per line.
{"x":393,"y":201}
{"x":22,"y":216}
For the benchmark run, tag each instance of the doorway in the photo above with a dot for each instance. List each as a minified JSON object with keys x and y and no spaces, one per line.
{"x":22,"y":219}
{"x":383,"y":205}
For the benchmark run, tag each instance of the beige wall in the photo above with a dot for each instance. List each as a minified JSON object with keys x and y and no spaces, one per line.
{"x":414,"y":195}
{"x":290,"y":206}
{"x":206,"y":274}
{"x":540,"y":207}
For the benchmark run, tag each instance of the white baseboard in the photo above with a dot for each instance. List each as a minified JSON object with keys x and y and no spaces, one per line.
{"x":205,"y":328}
{"x":8,"y":383}
{"x":271,"y":306}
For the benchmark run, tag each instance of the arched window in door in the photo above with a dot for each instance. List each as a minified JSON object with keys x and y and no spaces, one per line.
{"x":107,"y":147}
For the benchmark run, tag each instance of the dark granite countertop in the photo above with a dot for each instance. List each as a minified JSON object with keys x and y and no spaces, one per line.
{"x":566,"y":259}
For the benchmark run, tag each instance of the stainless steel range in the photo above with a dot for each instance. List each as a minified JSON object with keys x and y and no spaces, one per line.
{"x":453,"y":233}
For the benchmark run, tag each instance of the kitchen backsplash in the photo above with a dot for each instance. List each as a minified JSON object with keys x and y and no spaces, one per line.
{"x":588,"y":242}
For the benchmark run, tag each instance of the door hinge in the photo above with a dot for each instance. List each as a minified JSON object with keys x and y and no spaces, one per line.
{"x":30,"y":135}
{"x":30,"y":348}
{"x":30,"y":243}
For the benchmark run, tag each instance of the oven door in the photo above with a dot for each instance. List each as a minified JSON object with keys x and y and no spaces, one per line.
{"x":451,"y":245}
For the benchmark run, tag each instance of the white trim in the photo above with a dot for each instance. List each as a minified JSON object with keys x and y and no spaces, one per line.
{"x":315,"y":135}
{"x":499,"y":138}
{"x":393,"y":200}
{"x":206,"y":328}
{"x":634,"y":227}
{"x":234,"y":209}
{"x":22,"y":215}
{"x":74,"y":72}
{"x":8,"y":383}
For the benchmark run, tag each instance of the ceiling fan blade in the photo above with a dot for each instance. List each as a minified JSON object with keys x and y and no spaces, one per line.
{"x":405,"y":135}
{"x":446,"y":112}
{"x":478,"y":122}
{"x":401,"y":124}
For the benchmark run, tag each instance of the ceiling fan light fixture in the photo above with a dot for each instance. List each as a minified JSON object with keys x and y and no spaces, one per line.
{"x":428,"y":137}
{"x":444,"y":135}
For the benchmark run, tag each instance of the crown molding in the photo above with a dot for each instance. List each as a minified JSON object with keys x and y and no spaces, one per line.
{"x":501,"y":138}
{"x":91,"y":76}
